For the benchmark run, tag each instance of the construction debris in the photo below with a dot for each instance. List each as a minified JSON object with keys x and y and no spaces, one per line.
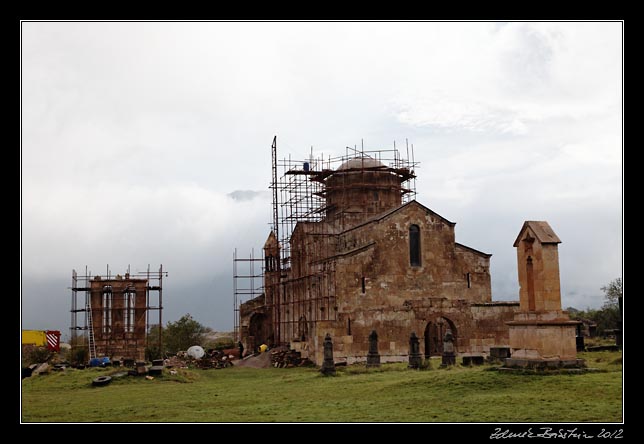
{"x":214,"y":359}
{"x":196,"y":352}
{"x":283,"y":357}
{"x":211,"y":359}
{"x":41,"y":369}
{"x":101,"y":381}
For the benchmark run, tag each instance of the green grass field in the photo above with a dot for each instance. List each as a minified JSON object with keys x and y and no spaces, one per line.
{"x":390,"y":394}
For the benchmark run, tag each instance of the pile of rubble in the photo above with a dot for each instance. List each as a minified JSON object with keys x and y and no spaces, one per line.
{"x":212,"y":359}
{"x":283,"y":357}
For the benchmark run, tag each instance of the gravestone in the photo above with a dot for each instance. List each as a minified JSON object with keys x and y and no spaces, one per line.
{"x":328,"y":366}
{"x":580,"y":339}
{"x":449,"y":356}
{"x":415,"y":360}
{"x":373,"y":357}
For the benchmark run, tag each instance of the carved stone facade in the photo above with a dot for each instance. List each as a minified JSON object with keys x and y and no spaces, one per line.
{"x":374,"y":263}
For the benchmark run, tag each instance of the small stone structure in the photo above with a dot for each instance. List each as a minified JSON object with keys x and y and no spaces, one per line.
{"x":415,"y":359}
{"x":328,"y":366}
{"x":373,"y":357}
{"x":541,"y":334}
{"x":449,"y":357}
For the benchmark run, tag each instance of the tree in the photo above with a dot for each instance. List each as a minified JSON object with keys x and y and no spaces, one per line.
{"x":153,"y":351}
{"x":607,"y":317}
{"x":182,"y":334}
{"x":612,"y":293}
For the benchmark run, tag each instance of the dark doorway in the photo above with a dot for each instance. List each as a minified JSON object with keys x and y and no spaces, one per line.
{"x":434,"y":333}
{"x":258,"y":330}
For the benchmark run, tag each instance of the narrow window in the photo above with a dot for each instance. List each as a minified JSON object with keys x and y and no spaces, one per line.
{"x":530,"y":273}
{"x":349,"y":327}
{"x":129,"y":310}
{"x":414,"y":246}
{"x":469,"y":281}
{"x":363,"y":285}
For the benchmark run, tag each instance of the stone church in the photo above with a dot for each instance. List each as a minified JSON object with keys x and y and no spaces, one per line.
{"x":374,"y":262}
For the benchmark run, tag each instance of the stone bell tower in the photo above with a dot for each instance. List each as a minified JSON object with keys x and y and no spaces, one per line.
{"x":541,"y":334}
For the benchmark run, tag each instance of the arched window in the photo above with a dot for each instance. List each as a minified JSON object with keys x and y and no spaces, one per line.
{"x":414,"y":246}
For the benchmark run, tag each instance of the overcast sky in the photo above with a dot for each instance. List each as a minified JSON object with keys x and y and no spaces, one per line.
{"x":136,"y":137}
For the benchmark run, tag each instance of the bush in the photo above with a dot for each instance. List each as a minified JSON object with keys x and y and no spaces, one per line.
{"x":152,"y":353}
{"x":182,"y":334}
{"x":221,"y":344}
{"x":38,"y":355}
{"x":79,"y":355}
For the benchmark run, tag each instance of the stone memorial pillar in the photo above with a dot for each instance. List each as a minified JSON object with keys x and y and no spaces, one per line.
{"x":449,"y":354}
{"x":415,"y":360}
{"x":373,"y":357}
{"x":328,"y":366}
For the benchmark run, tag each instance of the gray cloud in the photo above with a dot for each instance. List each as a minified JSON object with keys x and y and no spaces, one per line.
{"x":243,"y":195}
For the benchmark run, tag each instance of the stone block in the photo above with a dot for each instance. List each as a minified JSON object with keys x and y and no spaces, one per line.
{"x":499,"y":352}
{"x":473,"y":360}
{"x":156,"y":370}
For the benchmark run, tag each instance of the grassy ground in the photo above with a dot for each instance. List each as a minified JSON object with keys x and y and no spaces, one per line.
{"x":389,"y":394}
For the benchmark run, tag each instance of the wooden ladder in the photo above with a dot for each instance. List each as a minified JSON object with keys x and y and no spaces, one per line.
{"x":90,"y":329}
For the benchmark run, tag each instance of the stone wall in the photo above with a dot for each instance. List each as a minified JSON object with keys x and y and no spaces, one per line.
{"x":490,"y":328}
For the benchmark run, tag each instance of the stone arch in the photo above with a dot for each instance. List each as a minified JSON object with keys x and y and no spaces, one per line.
{"x":258,"y":330}
{"x":434,"y":333}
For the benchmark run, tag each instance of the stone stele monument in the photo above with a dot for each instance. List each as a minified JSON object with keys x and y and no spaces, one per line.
{"x":542,"y":335}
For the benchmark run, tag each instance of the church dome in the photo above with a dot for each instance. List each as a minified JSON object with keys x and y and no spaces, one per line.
{"x":360,"y":162}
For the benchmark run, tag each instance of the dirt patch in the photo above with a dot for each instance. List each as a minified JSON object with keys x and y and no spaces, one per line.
{"x":262,"y":360}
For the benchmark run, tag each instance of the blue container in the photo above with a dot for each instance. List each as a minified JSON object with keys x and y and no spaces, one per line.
{"x":99,"y":362}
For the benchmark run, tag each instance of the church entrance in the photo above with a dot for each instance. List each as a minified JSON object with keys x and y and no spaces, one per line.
{"x":434,"y":333}
{"x":258,"y":331}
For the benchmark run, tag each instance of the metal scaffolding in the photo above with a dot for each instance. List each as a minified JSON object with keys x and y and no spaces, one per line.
{"x":309,"y":211}
{"x":129,"y":309}
{"x":316,"y":205}
{"x":248,"y":278}
{"x":300,"y":193}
